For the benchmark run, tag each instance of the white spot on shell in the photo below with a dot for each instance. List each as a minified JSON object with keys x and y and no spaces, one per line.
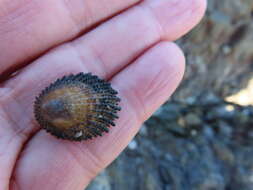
{"x":78,"y":134}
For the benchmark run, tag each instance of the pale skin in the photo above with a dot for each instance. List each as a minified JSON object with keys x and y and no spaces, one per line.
{"x":127,"y":42}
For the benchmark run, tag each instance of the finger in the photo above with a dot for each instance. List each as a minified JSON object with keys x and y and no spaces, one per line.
{"x":28,"y":28}
{"x":132,"y":32}
{"x":143,"y":87}
{"x":119,"y":41}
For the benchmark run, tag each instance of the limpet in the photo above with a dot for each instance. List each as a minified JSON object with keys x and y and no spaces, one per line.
{"x":77,"y":107}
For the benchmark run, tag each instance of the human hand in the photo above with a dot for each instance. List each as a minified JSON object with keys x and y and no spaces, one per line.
{"x":126,"y":42}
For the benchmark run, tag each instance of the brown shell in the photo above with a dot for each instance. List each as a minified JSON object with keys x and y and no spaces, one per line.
{"x":77,"y":107}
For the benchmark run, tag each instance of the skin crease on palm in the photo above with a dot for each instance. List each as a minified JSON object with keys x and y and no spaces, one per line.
{"x":127,"y":42}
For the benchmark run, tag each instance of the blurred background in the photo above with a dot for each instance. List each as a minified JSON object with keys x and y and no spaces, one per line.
{"x":202,"y":138}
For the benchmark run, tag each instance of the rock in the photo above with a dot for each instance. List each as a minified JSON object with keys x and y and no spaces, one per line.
{"x":208,"y":132}
{"x":170,"y":112}
{"x":143,"y":130}
{"x":225,"y":130}
{"x":192,"y":119}
{"x":220,"y":112}
{"x":132,"y":145}
{"x":212,"y":183}
{"x":209,"y":99}
{"x":223,"y":153}
{"x":151,"y":183}
{"x":177,"y":129}
{"x":101,"y":182}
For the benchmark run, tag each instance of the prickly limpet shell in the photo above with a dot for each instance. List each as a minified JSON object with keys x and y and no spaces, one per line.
{"x":77,"y":107}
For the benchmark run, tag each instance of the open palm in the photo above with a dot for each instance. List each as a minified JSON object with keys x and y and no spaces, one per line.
{"x":127,"y":42}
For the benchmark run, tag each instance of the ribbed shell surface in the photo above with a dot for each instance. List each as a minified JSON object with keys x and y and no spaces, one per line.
{"x":77,"y":107}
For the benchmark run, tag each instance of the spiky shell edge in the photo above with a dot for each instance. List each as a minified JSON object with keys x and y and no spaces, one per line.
{"x":99,"y":86}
